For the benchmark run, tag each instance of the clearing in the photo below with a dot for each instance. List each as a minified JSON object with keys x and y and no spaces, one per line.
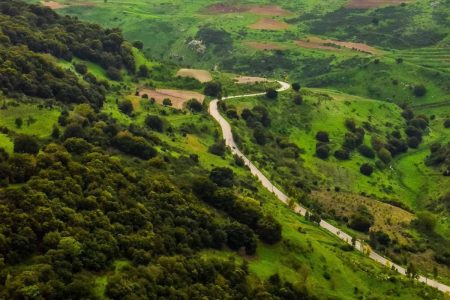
{"x":261,"y":10}
{"x":201,"y":75}
{"x":367,"y":4}
{"x":314,"y":42}
{"x":269,"y":24}
{"x":53,"y":4}
{"x":178,"y":97}
{"x":264,"y":46}
{"x":250,"y":79}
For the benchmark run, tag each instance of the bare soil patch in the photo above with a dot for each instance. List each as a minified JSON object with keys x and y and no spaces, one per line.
{"x":269,"y":10}
{"x":367,"y":4}
{"x":250,"y":79}
{"x":200,"y":75}
{"x":264,"y":46}
{"x":327,"y":44}
{"x":261,"y":10}
{"x":178,"y":97}
{"x":269,"y":24}
{"x":53,"y":4}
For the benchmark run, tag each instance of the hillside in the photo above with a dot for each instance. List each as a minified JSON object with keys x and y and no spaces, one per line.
{"x":115,"y":182}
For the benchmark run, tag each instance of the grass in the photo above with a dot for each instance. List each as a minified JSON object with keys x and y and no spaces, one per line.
{"x":42,"y":119}
{"x":6,"y":143}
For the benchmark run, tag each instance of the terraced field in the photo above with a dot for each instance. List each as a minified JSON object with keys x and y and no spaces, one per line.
{"x":436,"y":58}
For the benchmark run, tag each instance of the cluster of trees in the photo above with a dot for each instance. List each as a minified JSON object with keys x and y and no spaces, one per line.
{"x":416,"y":125}
{"x":217,"y":191}
{"x":258,"y":120}
{"x":361,"y":220}
{"x":439,"y":157}
{"x":42,"y":30}
{"x":218,"y":39}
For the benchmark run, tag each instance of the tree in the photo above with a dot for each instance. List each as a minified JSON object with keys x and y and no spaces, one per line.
{"x":296,"y":86}
{"x":322,"y":136}
{"x":366,"y":169}
{"x":361,"y":220}
{"x":81,"y":68}
{"x":298,"y":99}
{"x":222,"y":176}
{"x":143,"y":71}
{"x":19,"y":122}
{"x":218,"y":148}
{"x":419,"y":90}
{"x":213,"y":89}
{"x":260,"y":136}
{"x":194,"y":105}
{"x":26,"y":144}
{"x":155,"y":123}
{"x":366,"y":151}
{"x":114,"y":73}
{"x":271,"y":93}
{"x":138,"y":45}
{"x":342,"y":154}
{"x":269,"y":230}
{"x":447,"y":123}
{"x":322,"y":150}
{"x":384,"y":155}
{"x":425,"y":221}
{"x":167,"y":102}
{"x":126,"y":106}
{"x":56,"y":133}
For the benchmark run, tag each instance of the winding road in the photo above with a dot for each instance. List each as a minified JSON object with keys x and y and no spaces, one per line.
{"x":359,"y":245}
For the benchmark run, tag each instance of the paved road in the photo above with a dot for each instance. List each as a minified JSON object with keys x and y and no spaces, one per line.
{"x":229,"y":141}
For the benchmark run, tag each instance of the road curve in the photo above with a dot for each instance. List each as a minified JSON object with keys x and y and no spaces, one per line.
{"x":359,"y":245}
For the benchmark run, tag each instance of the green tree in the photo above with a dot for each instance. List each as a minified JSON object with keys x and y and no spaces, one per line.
{"x":26,"y":144}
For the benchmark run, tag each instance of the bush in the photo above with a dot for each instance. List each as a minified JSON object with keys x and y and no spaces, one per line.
{"x":322,"y":136}
{"x":126,"y":106}
{"x":419,"y":90}
{"x":425,"y":221}
{"x":136,"y":146}
{"x":194,"y":105}
{"x":296,"y":86}
{"x":362,"y":220}
{"x":413,"y":142}
{"x":218,"y":148}
{"x":322,"y":151}
{"x":223,"y":177}
{"x":155,"y":123}
{"x":350,"y":124}
{"x":26,"y":144}
{"x":271,"y":94}
{"x":260,"y":136}
{"x":342,"y":154}
{"x":298,"y":99}
{"x":81,"y":68}
{"x":213,"y":89}
{"x":167,"y":102}
{"x":366,"y":169}
{"x":384,"y":155}
{"x":114,"y":74}
{"x":269,"y":230}
{"x":447,"y":123}
{"x":143,"y":71}
{"x":366,"y":151}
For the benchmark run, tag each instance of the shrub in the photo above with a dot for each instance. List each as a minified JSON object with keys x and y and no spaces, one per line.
{"x":342,"y":154}
{"x":194,"y":105}
{"x":81,"y":68}
{"x":322,"y":150}
{"x":296,"y":86}
{"x":213,"y":89}
{"x":143,"y":71}
{"x":366,"y":169}
{"x":350,"y":124}
{"x":322,"y":136}
{"x":26,"y":144}
{"x":362,"y":220}
{"x":425,"y":221}
{"x":384,"y":155}
{"x":447,"y":123}
{"x":218,"y":148}
{"x":136,"y":146}
{"x":271,"y":94}
{"x":167,"y":102}
{"x":366,"y":151}
{"x":260,"y":136}
{"x":126,"y":106}
{"x":114,"y":74}
{"x":419,"y":90}
{"x":298,"y":99}
{"x":222,"y":177}
{"x":155,"y":123}
{"x":269,"y":230}
{"x":413,"y":142}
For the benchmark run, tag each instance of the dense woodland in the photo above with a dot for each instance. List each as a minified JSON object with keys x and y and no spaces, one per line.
{"x":96,"y":192}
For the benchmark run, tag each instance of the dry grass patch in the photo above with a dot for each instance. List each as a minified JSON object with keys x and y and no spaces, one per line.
{"x":388,"y":218}
{"x":367,"y":4}
{"x":269,"y":10}
{"x":250,"y":79}
{"x":269,"y":24}
{"x":201,"y":75}
{"x":264,"y":46}
{"x":177,"y":97}
{"x":314,"y":42}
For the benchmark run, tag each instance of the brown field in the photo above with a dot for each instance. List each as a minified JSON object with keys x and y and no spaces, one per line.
{"x":388,"y":218}
{"x":366,"y":4}
{"x":269,"y":24}
{"x":264,"y":46}
{"x":178,"y":97}
{"x":261,"y":10}
{"x":53,"y":4}
{"x":249,"y":79}
{"x":200,"y":75}
{"x":327,"y":44}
